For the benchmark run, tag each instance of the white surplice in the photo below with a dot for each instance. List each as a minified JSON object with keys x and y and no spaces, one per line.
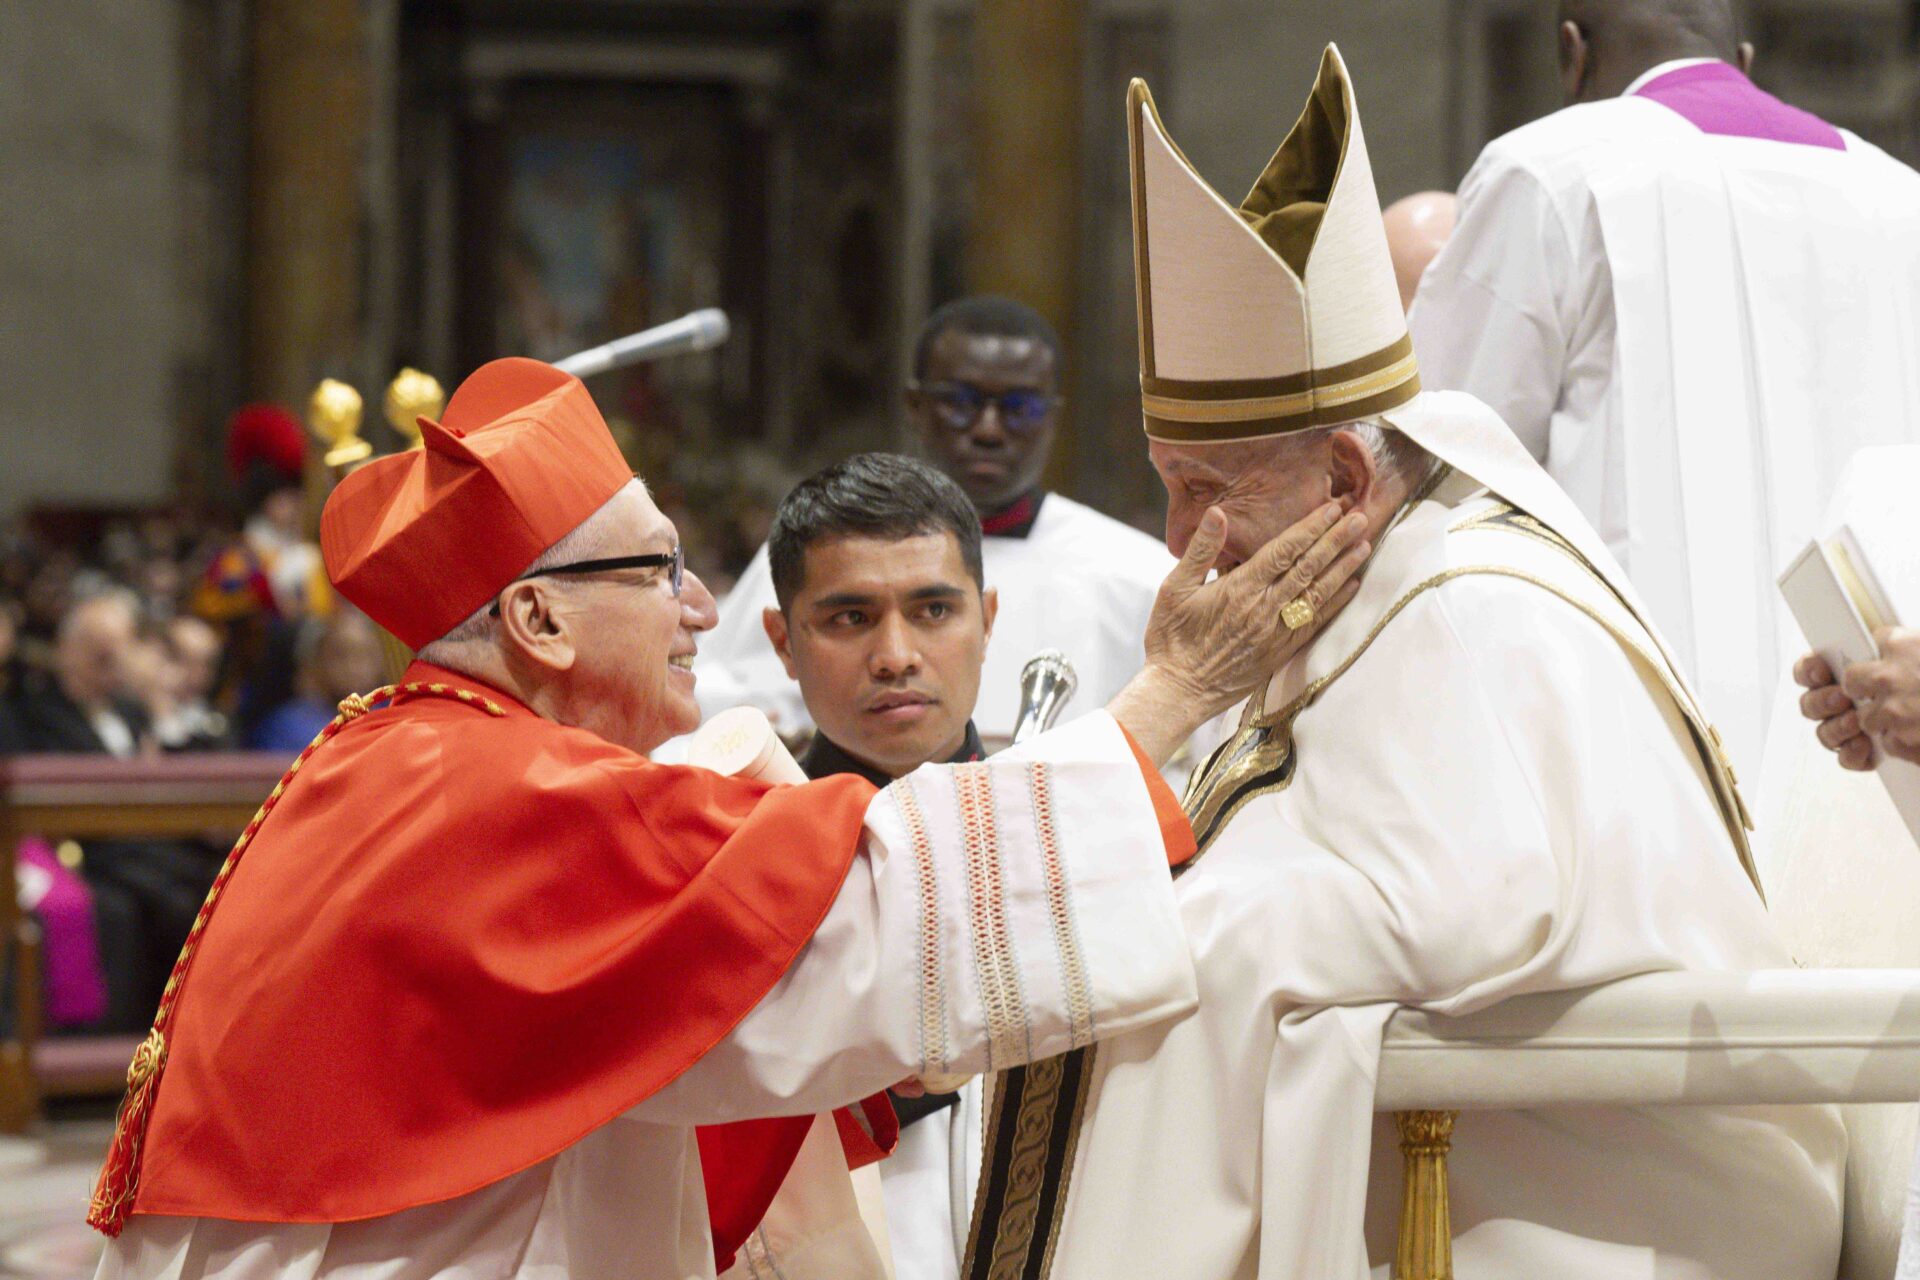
{"x":1079,"y":582}
{"x":1492,"y":790}
{"x":1693,"y":333}
{"x":928,"y":1185}
{"x":997,"y":912}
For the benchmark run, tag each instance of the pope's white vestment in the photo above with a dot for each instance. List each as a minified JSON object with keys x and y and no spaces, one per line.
{"x":1480,"y":781}
{"x":1079,"y":582}
{"x":1693,"y":331}
{"x":955,"y":945}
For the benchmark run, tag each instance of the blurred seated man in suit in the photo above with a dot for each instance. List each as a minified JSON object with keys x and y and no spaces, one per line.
{"x":82,"y":706}
{"x":146,"y":893}
{"x":883,"y":619}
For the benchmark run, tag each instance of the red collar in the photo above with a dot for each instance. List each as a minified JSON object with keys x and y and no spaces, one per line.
{"x":1017,"y":520}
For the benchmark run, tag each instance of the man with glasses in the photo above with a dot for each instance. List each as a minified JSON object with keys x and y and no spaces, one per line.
{"x":483,"y":990}
{"x":984,"y":402}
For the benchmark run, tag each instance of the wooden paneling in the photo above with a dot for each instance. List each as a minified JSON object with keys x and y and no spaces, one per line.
{"x":92,"y":797}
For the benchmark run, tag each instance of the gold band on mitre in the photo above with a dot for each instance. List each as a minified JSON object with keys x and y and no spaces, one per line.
{"x":1186,"y":412}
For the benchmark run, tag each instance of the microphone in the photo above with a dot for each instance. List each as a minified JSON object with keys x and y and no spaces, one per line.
{"x":698,"y":331}
{"x":1047,"y":685}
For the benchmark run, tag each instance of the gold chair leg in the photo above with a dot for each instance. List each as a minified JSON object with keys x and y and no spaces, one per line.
{"x":1426,"y":1221}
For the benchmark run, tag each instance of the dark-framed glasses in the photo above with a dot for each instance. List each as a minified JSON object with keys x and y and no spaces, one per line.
{"x":958,"y":405}
{"x":672,"y":561}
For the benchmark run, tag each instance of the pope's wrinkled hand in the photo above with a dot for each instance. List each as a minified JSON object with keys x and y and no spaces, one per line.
{"x":1872,"y":706}
{"x":1210,"y":643}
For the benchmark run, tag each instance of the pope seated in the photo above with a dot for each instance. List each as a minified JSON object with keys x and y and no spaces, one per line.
{"x":1483,"y":779}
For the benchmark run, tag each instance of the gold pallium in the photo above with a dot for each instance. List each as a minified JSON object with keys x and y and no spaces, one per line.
{"x":1722,"y":779}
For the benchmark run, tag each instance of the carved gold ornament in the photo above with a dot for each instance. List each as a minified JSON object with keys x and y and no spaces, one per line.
{"x":413,"y":395}
{"x":333,"y":415}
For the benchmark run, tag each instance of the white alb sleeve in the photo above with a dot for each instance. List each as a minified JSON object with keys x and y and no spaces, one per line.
{"x":998,"y":913}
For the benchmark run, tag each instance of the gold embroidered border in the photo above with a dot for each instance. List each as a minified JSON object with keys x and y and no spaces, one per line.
{"x":934,"y":1052}
{"x":1256,"y":761}
{"x":1066,"y":933}
{"x":1255,"y":409}
{"x":1721,"y":777}
{"x":1023,"y":1198}
{"x":996,"y":965}
{"x":1192,"y":390}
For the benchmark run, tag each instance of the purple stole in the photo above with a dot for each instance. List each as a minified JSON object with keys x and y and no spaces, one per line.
{"x":1715,"y":98}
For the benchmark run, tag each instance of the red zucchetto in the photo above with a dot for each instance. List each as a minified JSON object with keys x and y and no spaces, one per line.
{"x":519,"y":459}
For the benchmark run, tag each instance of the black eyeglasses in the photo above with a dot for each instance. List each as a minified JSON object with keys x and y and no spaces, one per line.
{"x":958,"y":405}
{"x":672,"y":561}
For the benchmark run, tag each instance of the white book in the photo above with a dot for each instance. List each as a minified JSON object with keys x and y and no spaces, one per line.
{"x":1835,"y":594}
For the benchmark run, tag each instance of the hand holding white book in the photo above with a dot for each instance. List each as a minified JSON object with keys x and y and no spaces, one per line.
{"x":1848,"y":586}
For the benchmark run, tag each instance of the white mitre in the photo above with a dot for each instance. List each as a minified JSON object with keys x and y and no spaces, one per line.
{"x":1282,"y":315}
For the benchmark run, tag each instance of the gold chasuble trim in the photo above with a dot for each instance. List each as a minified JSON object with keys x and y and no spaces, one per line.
{"x":1033,"y":1135}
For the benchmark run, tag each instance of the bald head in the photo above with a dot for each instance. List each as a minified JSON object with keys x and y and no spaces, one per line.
{"x":1418,"y":227}
{"x":1605,"y":45}
{"x":92,"y":647}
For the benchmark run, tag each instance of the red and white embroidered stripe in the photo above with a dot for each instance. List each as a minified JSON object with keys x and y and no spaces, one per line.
{"x":997,"y":967}
{"x":934,"y":1051}
{"x":1066,"y":931}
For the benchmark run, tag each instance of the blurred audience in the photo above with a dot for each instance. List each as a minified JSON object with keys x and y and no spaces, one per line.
{"x":170,"y":631}
{"x":191,"y":722}
{"x":336,"y":656}
{"x":84,"y":703}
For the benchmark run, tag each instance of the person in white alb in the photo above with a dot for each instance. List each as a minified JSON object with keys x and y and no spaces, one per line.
{"x":1693,"y":303}
{"x":1484,"y":779}
{"x":984,"y":403}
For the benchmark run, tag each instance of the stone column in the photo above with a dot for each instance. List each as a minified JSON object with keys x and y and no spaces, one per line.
{"x":311,"y":114}
{"x":1026,"y":169}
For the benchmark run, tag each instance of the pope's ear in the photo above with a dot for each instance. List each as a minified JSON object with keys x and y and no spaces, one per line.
{"x":776,"y":624}
{"x":1353,"y":470}
{"x":531,"y":628}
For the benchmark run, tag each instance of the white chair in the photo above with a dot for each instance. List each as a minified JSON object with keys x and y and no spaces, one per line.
{"x":1780,"y":1037}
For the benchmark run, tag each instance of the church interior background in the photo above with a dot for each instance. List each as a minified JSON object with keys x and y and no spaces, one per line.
{"x":224,"y":200}
{"x":216,"y":201}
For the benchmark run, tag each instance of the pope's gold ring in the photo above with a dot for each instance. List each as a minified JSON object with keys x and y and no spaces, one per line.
{"x":1297,"y":614}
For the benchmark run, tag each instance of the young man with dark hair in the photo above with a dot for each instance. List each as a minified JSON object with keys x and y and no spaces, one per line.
{"x":883,"y":614}
{"x":883,"y":619}
{"x":984,"y":400}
